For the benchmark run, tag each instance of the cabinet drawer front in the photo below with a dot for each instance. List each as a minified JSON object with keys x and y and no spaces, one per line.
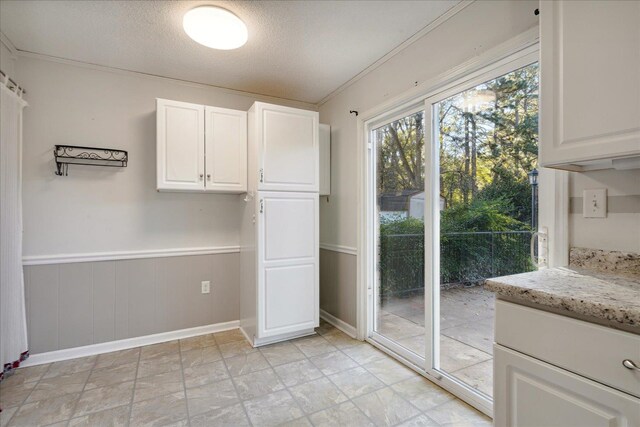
{"x":590,"y":350}
{"x":532,"y":393}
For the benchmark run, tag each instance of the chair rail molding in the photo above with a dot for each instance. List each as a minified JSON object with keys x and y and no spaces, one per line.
{"x":349,"y":250}
{"x":123,"y":255}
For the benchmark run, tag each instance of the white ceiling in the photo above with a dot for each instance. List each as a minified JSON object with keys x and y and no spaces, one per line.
{"x":301,"y":50}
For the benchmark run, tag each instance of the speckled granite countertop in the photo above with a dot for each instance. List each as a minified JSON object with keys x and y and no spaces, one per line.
{"x":601,"y":297}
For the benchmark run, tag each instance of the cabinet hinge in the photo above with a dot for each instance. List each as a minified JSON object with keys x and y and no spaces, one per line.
{"x":261,"y":205}
{"x":261,"y":175}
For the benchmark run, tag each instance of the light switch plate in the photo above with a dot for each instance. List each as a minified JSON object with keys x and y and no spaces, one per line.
{"x":594,"y":203}
{"x":206,"y":287}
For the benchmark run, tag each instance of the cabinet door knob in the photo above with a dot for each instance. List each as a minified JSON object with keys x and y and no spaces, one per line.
{"x":630,"y":365}
{"x":201,"y":176}
{"x":208,"y":177}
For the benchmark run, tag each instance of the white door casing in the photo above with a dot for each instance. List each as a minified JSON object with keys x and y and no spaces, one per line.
{"x":515,"y":54}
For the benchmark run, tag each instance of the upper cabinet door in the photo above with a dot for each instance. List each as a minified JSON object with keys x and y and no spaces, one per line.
{"x":226,"y":150}
{"x":287,"y":140}
{"x":590,"y":82}
{"x":180,"y":146}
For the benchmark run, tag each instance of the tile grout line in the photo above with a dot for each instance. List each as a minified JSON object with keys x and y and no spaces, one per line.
{"x":133,"y":391}
{"x":184,"y":382}
{"x":21,"y":404}
{"x":271,"y":366}
{"x":233,"y":383}
{"x":337,"y":350}
{"x":75,"y":406}
{"x":361,"y":365}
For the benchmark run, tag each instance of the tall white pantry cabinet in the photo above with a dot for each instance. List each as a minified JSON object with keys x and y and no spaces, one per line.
{"x":279,"y":274}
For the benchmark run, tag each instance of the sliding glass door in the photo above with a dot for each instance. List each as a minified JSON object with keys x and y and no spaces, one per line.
{"x":399,"y":310}
{"x":485,"y":151}
{"x":453,"y":202}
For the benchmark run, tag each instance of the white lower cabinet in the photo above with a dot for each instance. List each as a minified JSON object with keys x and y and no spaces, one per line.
{"x":280,"y":299}
{"x":555,"y":371}
{"x":531,"y":393}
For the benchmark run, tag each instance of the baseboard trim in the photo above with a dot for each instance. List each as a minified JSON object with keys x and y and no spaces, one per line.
{"x":339,"y":248}
{"x":340,"y":324}
{"x":107,"y":347}
{"x":122,"y":255}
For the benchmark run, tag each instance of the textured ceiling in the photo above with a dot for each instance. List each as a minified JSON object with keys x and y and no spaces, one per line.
{"x":301,"y":50}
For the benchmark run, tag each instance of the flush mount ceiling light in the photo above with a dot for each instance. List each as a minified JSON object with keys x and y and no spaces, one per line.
{"x":215,"y":27}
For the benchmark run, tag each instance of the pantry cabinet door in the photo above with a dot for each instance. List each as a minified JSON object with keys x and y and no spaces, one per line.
{"x":288,"y":275}
{"x":530,"y":393}
{"x":180,"y":146}
{"x":590,"y":84}
{"x":225,"y":150}
{"x":288,"y":148}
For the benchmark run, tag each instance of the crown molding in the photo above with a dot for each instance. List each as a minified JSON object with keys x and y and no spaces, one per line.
{"x":5,"y":41}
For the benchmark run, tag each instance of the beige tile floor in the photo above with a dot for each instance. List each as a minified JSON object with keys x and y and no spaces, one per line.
{"x":327,"y":379}
{"x":466,"y":324}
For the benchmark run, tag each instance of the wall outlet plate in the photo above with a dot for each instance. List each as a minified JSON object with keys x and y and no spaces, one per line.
{"x":594,"y":203}
{"x":206,"y":287}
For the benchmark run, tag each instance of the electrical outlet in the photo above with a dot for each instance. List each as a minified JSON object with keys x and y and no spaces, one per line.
{"x":206,"y":287}
{"x":594,"y":203}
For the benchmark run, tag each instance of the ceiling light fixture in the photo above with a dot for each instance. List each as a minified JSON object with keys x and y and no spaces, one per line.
{"x":215,"y":27}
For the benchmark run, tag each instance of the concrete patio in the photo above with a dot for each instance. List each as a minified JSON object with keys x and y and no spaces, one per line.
{"x":466,"y":326}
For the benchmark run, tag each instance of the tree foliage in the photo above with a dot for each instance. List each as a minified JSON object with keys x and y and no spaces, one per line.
{"x":488,"y":142}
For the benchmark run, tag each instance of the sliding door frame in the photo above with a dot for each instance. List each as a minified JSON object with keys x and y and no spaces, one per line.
{"x":432,"y":219}
{"x":522,"y":50}
{"x":383,"y":120}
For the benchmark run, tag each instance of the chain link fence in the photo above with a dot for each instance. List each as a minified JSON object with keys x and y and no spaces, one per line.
{"x":466,"y":258}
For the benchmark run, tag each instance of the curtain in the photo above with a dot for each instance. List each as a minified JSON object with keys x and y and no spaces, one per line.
{"x":13,"y":325}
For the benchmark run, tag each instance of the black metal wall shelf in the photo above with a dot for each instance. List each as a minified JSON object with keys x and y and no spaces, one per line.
{"x":66,"y":155}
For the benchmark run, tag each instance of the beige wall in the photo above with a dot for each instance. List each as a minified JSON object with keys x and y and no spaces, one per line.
{"x":620,"y":230}
{"x":337,"y":293}
{"x":102,"y":210}
{"x":71,"y":305}
{"x":112,"y":209}
{"x":476,"y":29}
{"x":7,"y":61}
{"x":450,"y":44}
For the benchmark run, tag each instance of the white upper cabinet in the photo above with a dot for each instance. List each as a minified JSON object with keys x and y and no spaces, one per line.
{"x":225,"y":150}
{"x":325,"y":160}
{"x":590,"y":84}
{"x":201,"y":148}
{"x":180,"y":145}
{"x":287,"y":143}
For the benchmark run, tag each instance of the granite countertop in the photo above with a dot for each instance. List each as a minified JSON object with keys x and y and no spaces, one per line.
{"x":598,"y":296}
